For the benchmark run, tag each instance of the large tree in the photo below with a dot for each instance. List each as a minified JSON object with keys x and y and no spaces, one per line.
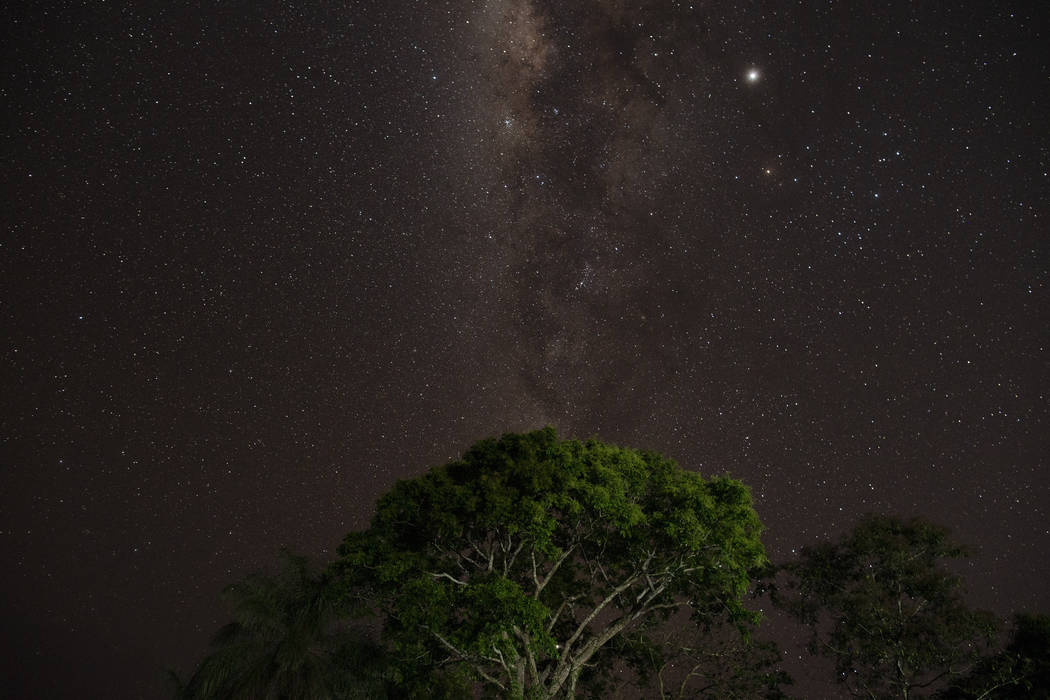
{"x":523,"y":561}
{"x":882,"y":606}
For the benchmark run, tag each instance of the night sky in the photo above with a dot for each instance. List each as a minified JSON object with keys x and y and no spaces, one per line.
{"x":261,"y":259}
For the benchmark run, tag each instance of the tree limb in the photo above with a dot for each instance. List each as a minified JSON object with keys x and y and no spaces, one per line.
{"x":450,"y":577}
{"x":451,"y":647}
{"x":540,"y":585}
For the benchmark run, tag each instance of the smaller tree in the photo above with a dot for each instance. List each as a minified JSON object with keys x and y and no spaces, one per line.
{"x":286,"y":642}
{"x":1019,"y":672}
{"x":1031,"y":647}
{"x":880,"y":604}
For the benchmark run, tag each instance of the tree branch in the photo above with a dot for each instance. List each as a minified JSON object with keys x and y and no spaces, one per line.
{"x":450,"y":577}
{"x":540,"y":585}
{"x":509,"y":562}
{"x":557,"y":613}
{"x":598,"y":608}
{"x":451,"y":647}
{"x":530,"y":658}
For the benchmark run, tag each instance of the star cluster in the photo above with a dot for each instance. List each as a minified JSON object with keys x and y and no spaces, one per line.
{"x":263,"y":259}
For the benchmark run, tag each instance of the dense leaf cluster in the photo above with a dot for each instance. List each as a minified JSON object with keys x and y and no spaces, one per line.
{"x":881,"y":604}
{"x":527,"y":557}
{"x":535,"y":568}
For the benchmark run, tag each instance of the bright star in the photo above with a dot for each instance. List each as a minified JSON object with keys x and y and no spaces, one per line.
{"x":753,"y":75}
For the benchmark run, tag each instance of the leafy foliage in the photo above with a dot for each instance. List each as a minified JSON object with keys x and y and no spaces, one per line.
{"x":880,"y":605}
{"x":715,"y":661}
{"x":1020,"y":671}
{"x":523,"y":560}
{"x":285,"y":642}
{"x":539,"y":568}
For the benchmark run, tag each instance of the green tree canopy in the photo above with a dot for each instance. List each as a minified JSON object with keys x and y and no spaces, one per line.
{"x":521,"y":562}
{"x":881,"y":605}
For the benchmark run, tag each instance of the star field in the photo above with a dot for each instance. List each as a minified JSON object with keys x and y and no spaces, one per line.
{"x":264,"y":259}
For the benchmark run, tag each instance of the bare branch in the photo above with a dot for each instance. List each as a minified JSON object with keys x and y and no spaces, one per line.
{"x":502,"y":661}
{"x":509,"y":562}
{"x":477,"y":667}
{"x":554,"y":618}
{"x":597,"y":610}
{"x":540,"y":585}
{"x":451,"y":578}
{"x":530,"y":658}
{"x":476,"y":548}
